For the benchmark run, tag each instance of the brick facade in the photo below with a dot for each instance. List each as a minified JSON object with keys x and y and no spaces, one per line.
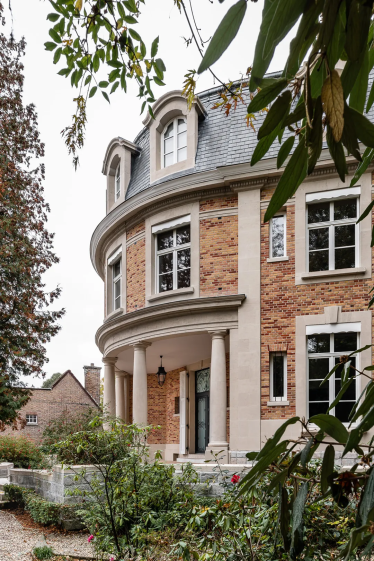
{"x":135,"y":265}
{"x":66,"y":397}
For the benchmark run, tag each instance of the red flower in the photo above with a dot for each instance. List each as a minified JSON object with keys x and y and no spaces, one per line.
{"x":235,"y":479}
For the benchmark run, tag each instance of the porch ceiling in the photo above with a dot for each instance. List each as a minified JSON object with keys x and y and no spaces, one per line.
{"x":177,"y":352}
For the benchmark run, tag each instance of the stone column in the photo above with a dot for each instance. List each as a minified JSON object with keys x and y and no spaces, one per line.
{"x":109,"y":386}
{"x":126,"y":391}
{"x":120,"y":395}
{"x":218,"y":396}
{"x":139,"y":389}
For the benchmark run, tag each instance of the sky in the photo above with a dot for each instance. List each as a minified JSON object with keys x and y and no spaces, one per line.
{"x":77,"y":198}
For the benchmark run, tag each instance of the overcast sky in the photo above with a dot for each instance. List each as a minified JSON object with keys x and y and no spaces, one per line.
{"x":77,"y":199}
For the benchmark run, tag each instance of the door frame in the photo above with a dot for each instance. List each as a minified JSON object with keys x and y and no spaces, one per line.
{"x":206,"y":395}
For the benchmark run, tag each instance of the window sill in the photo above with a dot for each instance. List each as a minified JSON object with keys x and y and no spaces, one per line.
{"x":277,"y":403}
{"x":335,"y":273}
{"x":176,"y":415}
{"x":114,"y":314}
{"x":31,"y":424}
{"x":167,"y":293}
{"x":276,"y":259}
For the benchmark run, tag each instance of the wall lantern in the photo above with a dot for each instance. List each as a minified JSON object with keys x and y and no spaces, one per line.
{"x":161,"y":374}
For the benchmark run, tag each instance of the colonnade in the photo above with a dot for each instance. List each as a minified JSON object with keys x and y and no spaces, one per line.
{"x":116,"y":388}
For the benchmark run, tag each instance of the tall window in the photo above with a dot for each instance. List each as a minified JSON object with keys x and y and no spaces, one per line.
{"x":278,"y":236}
{"x":118,"y":181}
{"x":278,"y":377}
{"x":324,"y":352}
{"x":333,"y":235}
{"x":174,"y":259}
{"x":117,"y":277}
{"x":174,"y":142}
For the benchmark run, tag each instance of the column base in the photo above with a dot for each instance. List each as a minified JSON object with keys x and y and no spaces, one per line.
{"x":217,"y":451}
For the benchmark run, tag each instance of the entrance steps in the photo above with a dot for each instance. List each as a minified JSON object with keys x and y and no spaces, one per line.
{"x":192,"y":459}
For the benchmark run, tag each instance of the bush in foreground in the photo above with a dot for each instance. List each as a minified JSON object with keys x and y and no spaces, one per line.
{"x":22,"y":452}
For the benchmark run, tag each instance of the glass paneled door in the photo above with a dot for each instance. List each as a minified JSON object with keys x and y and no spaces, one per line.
{"x":202,"y":409}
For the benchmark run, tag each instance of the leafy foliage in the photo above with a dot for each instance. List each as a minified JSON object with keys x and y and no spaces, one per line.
{"x":48,"y":382}
{"x":26,"y":324}
{"x":22,"y":452}
{"x":44,"y":552}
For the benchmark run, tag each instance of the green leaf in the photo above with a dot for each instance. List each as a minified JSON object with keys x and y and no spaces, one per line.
{"x":55,"y":36}
{"x":266,"y":95}
{"x":158,"y":81}
{"x":284,"y":517}
{"x":367,"y":403}
{"x":277,"y":436}
{"x":88,"y":80}
{"x":53,"y":17}
{"x":364,"y":128}
{"x":50,"y":46}
{"x":57,"y":55}
{"x":96,"y":62}
{"x":349,"y":137}
{"x":370,"y":98}
{"x":121,"y":10}
{"x":327,"y":467}
{"x":135,"y":35}
{"x":364,"y":215}
{"x":278,"y":479}
{"x":358,"y":24}
{"x":337,"y":154}
{"x":350,"y":73}
{"x":337,"y":41}
{"x":160,"y":64}
{"x":123,"y":80}
{"x":276,"y":114}
{"x":105,"y":95}
{"x":342,"y":391}
{"x":304,"y":458}
{"x":366,"y":502}
{"x":285,"y":11}
{"x":130,"y":19}
{"x":296,"y":116}
{"x":154,"y":47}
{"x":332,"y":426}
{"x":93,"y":91}
{"x":224,"y":35}
{"x":297,"y":543}
{"x":315,"y":136}
{"x":250,"y":478}
{"x":339,"y":498}
{"x":358,"y":93}
{"x":367,"y":158}
{"x":114,"y":87}
{"x":115,"y":64}
{"x":64,"y":71}
{"x":263,"y":145}
{"x":330,"y":374}
{"x":290,"y":180}
{"x":103,"y":84}
{"x":329,"y":17}
{"x":284,"y":151}
{"x":131,"y":5}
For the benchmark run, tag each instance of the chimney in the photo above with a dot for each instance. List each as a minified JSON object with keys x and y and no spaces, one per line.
{"x":92,"y":381}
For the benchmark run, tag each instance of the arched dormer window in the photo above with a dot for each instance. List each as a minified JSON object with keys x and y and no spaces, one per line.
{"x":174,"y":142}
{"x":118,"y":181}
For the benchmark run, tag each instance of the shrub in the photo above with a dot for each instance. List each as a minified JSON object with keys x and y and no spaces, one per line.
{"x":14,"y":493}
{"x":22,"y":452}
{"x":44,"y":552}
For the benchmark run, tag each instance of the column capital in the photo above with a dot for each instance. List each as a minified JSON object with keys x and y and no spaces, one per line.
{"x":121,"y":374}
{"x":218,"y":334}
{"x":109,"y":359}
{"x":141,"y":345}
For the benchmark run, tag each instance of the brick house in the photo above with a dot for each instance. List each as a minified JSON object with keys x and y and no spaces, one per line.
{"x":67,"y":397}
{"x":248,"y":317}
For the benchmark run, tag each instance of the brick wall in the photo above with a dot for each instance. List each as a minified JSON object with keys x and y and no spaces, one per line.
{"x":282,"y":301}
{"x":92,"y":381}
{"x":135,"y":274}
{"x":67,"y":397}
{"x":218,"y":249}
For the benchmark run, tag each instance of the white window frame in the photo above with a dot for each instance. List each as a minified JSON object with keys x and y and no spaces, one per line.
{"x":331,"y":224}
{"x":272,"y":397}
{"x":332,"y":356}
{"x":116,"y":279}
{"x":174,"y":249}
{"x":117,"y":182}
{"x":33,"y":422}
{"x":278,"y":215}
{"x":175,"y":143}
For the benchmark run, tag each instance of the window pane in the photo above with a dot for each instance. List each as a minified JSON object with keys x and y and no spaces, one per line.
{"x":182,"y":139}
{"x":319,"y":343}
{"x":345,"y":258}
{"x":183,"y":259}
{"x":345,"y":235}
{"x":345,"y":342}
{"x":182,"y":125}
{"x":165,"y":282}
{"x":318,"y":212}
{"x":345,"y":209}
{"x":117,"y":269}
{"x":318,"y":238}
{"x":319,"y":261}
{"x":278,"y":376}
{"x":318,"y":392}
{"x":183,"y":235}
{"x":343,"y":409}
{"x":117,"y":289}
{"x":339,"y":370}
{"x":169,"y":159}
{"x":165,"y":263}
{"x":165,"y":240}
{"x":182,"y":154}
{"x":169,"y":131}
{"x":184,"y":278}
{"x":169,"y":145}
{"x":317,"y":408}
{"x":318,"y":368}
{"x":350,"y":394}
{"x":277,"y":236}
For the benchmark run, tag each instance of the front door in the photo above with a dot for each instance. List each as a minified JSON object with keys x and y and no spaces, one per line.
{"x":202,"y":378}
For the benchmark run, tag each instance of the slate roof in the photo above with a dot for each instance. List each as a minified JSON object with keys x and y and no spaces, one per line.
{"x":222,"y":141}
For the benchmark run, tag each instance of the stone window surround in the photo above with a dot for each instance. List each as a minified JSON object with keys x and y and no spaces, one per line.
{"x":331,"y":315}
{"x":364,"y":270}
{"x":193,"y":291}
{"x":273,"y":401}
{"x":270,"y":259}
{"x":119,"y":152}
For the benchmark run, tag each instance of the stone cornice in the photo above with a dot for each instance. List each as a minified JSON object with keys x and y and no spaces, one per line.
{"x":167,"y":310}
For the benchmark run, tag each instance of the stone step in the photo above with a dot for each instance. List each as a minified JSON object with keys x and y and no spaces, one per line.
{"x":192,"y":459}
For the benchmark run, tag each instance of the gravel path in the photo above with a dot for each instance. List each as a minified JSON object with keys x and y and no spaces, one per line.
{"x":16,"y":542}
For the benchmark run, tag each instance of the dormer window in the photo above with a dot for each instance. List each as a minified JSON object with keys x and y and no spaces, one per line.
{"x":118,"y":181}
{"x":174,"y":142}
